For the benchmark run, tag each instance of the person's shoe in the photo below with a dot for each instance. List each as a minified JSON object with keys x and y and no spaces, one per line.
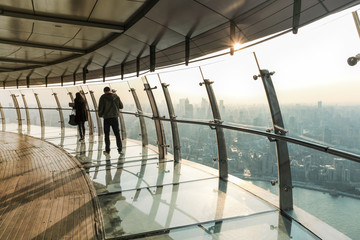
{"x":106,"y":153}
{"x":120,"y":151}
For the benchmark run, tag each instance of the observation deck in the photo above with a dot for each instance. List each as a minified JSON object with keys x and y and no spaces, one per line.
{"x":139,"y":195}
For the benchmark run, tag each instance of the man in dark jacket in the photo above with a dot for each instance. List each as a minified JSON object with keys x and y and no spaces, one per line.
{"x":109,"y":105}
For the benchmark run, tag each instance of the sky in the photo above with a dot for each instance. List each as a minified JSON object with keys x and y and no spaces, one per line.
{"x":309,"y":66}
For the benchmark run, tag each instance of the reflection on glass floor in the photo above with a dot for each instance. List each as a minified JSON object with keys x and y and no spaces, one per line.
{"x":144,"y":198}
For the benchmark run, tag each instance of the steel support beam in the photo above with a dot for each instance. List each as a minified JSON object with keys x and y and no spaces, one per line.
{"x":141,"y":118}
{"x":122,"y":126}
{"x":98,"y":120}
{"x":16,"y":104}
{"x":42,"y":122}
{"x":3,"y":120}
{"x":174,"y":128}
{"x":187,"y":50}
{"x":221,"y":144}
{"x":59,"y":109}
{"x":296,"y":16}
{"x":137,"y":66}
{"x":27,"y":113}
{"x":284,"y":171}
{"x":122,"y":70}
{"x":152,"y":58}
{"x":90,"y":121}
{"x":232,"y":38}
{"x":161,"y":141}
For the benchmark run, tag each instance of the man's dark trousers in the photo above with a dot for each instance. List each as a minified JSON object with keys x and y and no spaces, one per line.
{"x":114,"y":123}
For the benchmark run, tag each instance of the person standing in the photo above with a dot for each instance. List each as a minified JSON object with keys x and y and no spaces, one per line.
{"x":80,"y":114}
{"x":109,"y":106}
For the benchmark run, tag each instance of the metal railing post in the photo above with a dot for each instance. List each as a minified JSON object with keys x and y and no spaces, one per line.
{"x":90,"y":122}
{"x":27,"y":113}
{"x":161,"y":141}
{"x":16,"y":104}
{"x":221,"y":144}
{"x":144,"y":136}
{"x":42,"y":122}
{"x":284,"y":171}
{"x":62,"y":122}
{"x":174,"y":128}
{"x":98,"y":120}
{"x":3,"y":120}
{"x":122,"y":126}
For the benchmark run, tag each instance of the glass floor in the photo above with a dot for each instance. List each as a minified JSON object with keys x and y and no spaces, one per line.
{"x":144,"y":198}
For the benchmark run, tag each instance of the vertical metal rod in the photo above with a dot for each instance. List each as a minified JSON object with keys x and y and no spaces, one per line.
{"x":74,"y":78}
{"x":221,"y":144}
{"x":16,"y":104}
{"x":62,"y":122}
{"x":187,"y":50}
{"x":356,"y":21}
{"x":137,"y":66}
{"x":104,"y":73}
{"x":158,"y":123}
{"x":152,"y":58}
{"x":42,"y":122}
{"x":3,"y":120}
{"x":122,"y":66}
{"x":232,"y":37}
{"x":122,"y":126}
{"x":174,"y":128}
{"x":84,"y":74}
{"x":141,"y":118}
{"x":90,"y":121}
{"x":27,"y":113}
{"x":98,"y":120}
{"x":284,"y":171}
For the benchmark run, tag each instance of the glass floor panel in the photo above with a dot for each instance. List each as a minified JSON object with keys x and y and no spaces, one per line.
{"x":107,"y":179}
{"x":155,"y":208}
{"x":266,"y":226}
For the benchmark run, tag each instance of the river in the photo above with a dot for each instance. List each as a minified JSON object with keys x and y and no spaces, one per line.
{"x":343,"y":213}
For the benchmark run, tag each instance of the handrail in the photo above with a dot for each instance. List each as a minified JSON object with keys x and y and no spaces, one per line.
{"x":305,"y":143}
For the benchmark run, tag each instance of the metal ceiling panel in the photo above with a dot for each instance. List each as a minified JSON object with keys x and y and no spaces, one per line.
{"x":80,"y":43}
{"x":6,"y":50}
{"x":128,"y":45}
{"x":234,"y":8}
{"x":192,"y":20}
{"x":115,"y":11}
{"x":90,"y":34}
{"x":79,"y":9}
{"x":309,"y":8}
{"x":16,"y":4}
{"x":113,"y":54}
{"x":335,"y":5}
{"x":151,"y":33}
{"x":15,"y":28}
{"x":51,"y":30}
{"x":274,"y":14}
{"x":42,"y":39}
